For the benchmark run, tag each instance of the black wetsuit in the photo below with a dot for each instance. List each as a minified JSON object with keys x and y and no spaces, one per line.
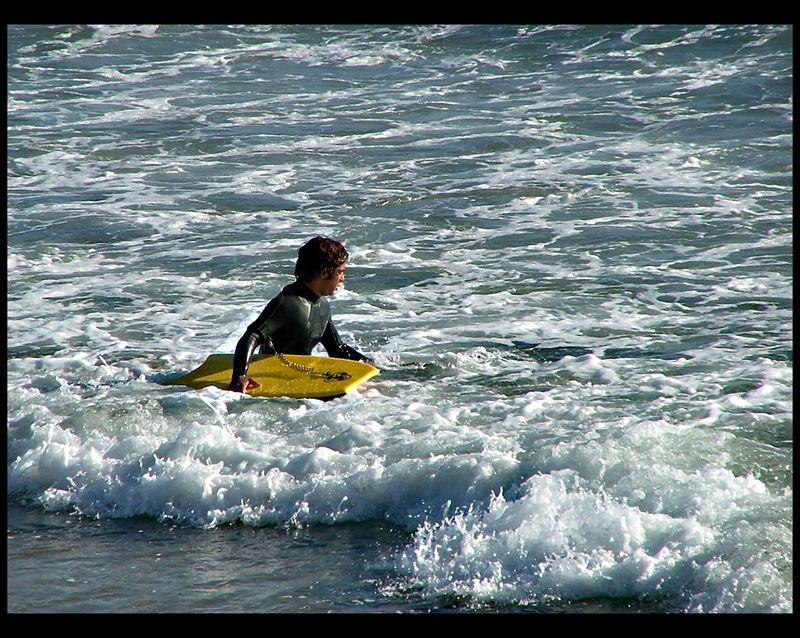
{"x":294,"y":322}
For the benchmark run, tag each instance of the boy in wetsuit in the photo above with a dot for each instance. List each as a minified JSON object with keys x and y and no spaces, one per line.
{"x":299,"y":317}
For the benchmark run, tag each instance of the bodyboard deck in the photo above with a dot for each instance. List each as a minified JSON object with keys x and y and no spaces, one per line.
{"x":327,"y":378}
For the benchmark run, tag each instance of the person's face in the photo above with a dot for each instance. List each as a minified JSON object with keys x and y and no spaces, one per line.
{"x":336,"y":278}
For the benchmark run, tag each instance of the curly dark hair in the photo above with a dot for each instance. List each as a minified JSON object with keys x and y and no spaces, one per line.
{"x":319,"y":255}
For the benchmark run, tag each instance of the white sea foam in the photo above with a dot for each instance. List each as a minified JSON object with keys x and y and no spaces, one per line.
{"x":558,"y":539}
{"x":581,"y":306}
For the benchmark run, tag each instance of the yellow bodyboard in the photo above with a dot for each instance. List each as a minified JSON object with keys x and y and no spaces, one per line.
{"x":319,"y":378}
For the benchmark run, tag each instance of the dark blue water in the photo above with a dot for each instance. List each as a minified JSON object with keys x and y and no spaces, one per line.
{"x":571,"y":259}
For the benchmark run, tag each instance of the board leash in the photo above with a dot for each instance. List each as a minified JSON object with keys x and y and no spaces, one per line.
{"x":299,"y":367}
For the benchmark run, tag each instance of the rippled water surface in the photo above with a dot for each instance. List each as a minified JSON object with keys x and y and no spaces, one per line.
{"x":571,"y":257}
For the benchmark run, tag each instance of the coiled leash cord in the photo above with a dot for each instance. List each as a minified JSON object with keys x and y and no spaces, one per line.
{"x":299,"y":367}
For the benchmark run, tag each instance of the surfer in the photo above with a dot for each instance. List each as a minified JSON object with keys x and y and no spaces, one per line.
{"x":299,"y":317}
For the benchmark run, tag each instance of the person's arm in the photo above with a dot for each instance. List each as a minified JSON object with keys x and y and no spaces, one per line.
{"x":333,"y":344}
{"x":254,"y":337}
{"x":245,"y":348}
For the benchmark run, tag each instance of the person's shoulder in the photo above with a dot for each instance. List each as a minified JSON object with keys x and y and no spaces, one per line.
{"x":292,"y":301}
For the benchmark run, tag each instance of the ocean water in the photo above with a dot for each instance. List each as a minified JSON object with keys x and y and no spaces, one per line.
{"x":571,"y":257}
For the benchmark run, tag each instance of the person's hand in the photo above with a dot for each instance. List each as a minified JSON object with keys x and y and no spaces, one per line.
{"x":243,"y":384}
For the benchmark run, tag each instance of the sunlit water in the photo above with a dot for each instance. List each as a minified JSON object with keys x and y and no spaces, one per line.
{"x":571,"y":254}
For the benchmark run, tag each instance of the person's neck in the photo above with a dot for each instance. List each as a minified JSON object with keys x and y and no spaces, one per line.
{"x":314,"y":286}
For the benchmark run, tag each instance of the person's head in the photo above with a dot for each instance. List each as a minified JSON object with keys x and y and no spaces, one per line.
{"x":321,"y":257}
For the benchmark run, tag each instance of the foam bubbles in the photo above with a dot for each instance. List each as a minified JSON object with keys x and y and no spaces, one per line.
{"x":571,"y":259}
{"x":558,"y":540}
